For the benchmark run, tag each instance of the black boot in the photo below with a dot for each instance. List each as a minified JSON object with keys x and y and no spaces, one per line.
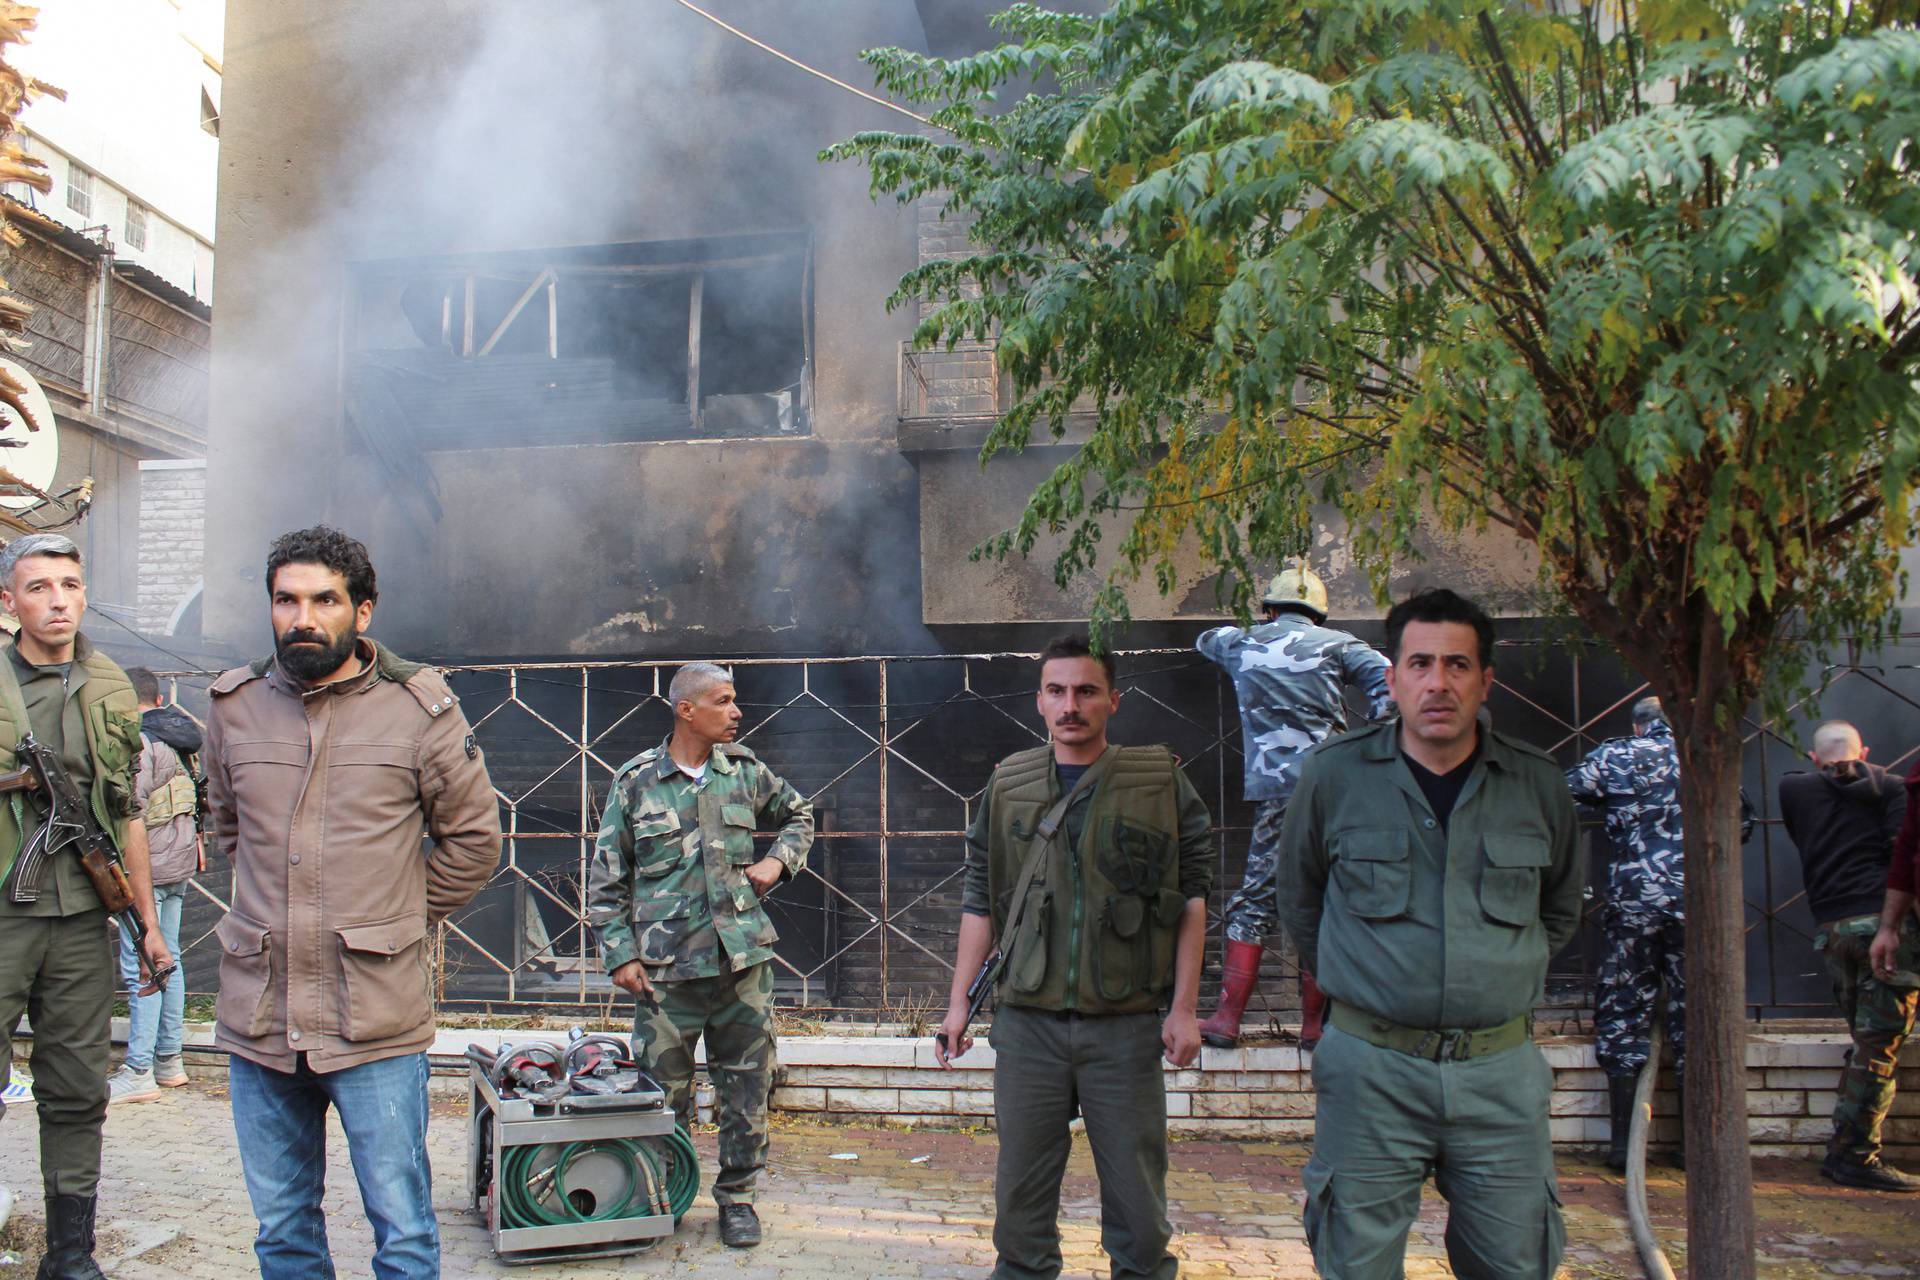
{"x":69,"y":1240}
{"x":1620,"y":1090}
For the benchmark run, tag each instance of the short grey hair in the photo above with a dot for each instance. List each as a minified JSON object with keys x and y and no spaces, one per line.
{"x":36,"y":544}
{"x":694,"y":679}
{"x":1646,"y":711}
{"x":1836,"y":740}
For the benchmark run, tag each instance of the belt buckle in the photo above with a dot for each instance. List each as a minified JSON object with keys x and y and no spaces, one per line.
{"x":1454,"y":1045}
{"x":1443,"y":1046}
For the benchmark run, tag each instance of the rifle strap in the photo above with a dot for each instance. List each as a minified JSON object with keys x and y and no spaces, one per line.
{"x":15,"y":706}
{"x":1043,"y":833}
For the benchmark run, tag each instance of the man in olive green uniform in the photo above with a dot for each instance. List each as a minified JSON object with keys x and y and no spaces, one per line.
{"x":55,"y":962}
{"x":675,"y":892}
{"x":1111,"y":932}
{"x":1430,"y":869}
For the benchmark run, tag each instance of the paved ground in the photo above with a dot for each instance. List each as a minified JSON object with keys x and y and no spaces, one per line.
{"x":172,"y":1175}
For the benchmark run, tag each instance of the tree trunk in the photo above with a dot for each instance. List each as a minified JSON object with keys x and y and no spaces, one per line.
{"x":1720,"y":1221}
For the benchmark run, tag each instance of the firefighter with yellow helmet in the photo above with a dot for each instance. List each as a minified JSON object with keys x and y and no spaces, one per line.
{"x":1289,"y":675}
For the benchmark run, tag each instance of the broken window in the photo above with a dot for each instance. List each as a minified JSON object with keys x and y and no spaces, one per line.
{"x":664,"y":340}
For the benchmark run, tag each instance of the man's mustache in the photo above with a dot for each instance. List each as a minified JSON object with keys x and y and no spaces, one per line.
{"x":1065,"y":721}
{"x":304,"y":637}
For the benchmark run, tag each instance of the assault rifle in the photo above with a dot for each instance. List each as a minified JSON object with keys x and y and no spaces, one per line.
{"x":977,"y":992}
{"x":70,"y":825}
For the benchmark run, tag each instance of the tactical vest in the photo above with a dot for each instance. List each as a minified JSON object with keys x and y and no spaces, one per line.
{"x":1098,"y":931}
{"x":112,"y":717}
{"x":175,"y":797}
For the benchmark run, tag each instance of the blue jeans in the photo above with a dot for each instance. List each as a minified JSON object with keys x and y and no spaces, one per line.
{"x":156,"y":1023}
{"x":281,"y":1120}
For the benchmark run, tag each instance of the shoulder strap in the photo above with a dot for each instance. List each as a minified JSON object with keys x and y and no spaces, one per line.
{"x":1043,"y":833}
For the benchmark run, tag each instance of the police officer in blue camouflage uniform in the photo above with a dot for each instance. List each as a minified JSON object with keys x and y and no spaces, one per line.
{"x":1637,"y":781}
{"x":1288,"y":675}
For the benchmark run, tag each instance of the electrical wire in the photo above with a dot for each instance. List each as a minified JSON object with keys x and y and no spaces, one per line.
{"x":795,"y":62}
{"x":101,"y":612}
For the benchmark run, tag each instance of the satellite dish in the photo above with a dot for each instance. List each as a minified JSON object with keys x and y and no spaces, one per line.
{"x":29,"y":454}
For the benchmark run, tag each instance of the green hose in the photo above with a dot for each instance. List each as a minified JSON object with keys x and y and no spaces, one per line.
{"x":669,"y":1164}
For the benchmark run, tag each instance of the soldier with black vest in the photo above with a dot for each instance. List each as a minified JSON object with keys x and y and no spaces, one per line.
{"x":1090,"y":865}
{"x":54,"y":955}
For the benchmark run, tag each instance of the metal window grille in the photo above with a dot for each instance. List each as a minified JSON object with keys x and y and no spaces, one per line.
{"x":894,"y":753}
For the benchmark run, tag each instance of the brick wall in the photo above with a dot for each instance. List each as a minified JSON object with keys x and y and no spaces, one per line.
{"x":173,"y":517}
{"x":1266,"y":1092}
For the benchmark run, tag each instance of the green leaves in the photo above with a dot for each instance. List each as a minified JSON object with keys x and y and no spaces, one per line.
{"x":1664,"y":149}
{"x":1415,"y":154}
{"x":1640,"y":288}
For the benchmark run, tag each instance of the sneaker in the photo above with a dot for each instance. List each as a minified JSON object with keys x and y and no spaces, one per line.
{"x":19,"y":1089}
{"x":128,"y":1085}
{"x":169,"y":1073}
{"x":1870,"y":1175}
{"x":739,"y":1226}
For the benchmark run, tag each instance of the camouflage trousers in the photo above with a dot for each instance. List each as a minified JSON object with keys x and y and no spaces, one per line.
{"x":735,"y":1013}
{"x":1254,"y":908}
{"x":1880,"y":1016}
{"x":1642,"y":952}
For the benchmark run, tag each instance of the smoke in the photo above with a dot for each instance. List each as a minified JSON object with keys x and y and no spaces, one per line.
{"x":378,"y":134}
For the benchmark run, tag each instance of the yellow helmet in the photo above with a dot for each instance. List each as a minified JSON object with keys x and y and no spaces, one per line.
{"x":1298,"y":586}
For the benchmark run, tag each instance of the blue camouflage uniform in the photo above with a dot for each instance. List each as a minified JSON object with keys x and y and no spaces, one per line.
{"x":1638,"y":781}
{"x":1287,"y":676}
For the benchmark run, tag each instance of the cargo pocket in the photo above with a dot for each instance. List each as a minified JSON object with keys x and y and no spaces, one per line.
{"x":1318,"y":1215}
{"x":1027,"y":953}
{"x":245,"y":1002}
{"x":1122,"y":958}
{"x":738,"y":821}
{"x":1554,"y":1238}
{"x":657,"y":841}
{"x":1372,"y":872}
{"x":1510,"y":882}
{"x":660,"y":925}
{"x":383,"y":978}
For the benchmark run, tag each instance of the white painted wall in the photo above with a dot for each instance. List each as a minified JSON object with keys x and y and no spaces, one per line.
{"x":134,"y":72}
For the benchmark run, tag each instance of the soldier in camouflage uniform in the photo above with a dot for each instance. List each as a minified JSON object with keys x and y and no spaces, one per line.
{"x":1287,"y":675}
{"x":1637,"y":782}
{"x":1843,"y":818}
{"x":675,"y":891}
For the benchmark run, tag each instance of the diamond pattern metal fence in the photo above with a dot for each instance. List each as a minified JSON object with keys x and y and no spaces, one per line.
{"x":894,"y":753}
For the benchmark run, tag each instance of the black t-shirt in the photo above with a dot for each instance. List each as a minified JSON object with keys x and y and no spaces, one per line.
{"x":1442,"y":789}
{"x":1070,"y":775}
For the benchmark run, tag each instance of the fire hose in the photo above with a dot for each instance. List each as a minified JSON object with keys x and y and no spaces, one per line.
{"x":663,"y":1177}
{"x":1651,"y":1257}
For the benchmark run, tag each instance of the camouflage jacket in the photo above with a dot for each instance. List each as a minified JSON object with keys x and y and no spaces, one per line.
{"x":1637,"y":780}
{"x":668,"y":885}
{"x":1287,"y":676}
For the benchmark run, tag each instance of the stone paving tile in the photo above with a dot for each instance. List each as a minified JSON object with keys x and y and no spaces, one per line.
{"x":173,"y":1163}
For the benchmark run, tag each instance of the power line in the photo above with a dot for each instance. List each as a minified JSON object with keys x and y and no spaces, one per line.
{"x":146,"y":639}
{"x":793,"y":61}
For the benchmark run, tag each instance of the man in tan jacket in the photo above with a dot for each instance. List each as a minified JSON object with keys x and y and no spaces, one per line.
{"x":325,"y":766}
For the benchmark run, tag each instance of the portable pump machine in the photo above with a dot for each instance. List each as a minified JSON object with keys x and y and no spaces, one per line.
{"x":572,"y":1151}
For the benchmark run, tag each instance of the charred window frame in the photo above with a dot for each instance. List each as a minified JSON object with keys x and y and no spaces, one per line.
{"x":657,"y":340}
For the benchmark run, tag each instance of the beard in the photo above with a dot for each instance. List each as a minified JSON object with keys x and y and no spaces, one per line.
{"x":308,"y":656}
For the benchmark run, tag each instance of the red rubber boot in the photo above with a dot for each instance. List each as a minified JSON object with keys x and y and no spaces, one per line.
{"x":1239,"y":971}
{"x":1313,"y":1011}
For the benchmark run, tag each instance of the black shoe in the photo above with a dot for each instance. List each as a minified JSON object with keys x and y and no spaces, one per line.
{"x":1620,"y":1091}
{"x":1871,"y":1175}
{"x":739,"y":1226}
{"x":69,"y":1241}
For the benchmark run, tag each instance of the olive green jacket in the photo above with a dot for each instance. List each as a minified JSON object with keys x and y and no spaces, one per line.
{"x":112,"y":717}
{"x":1445,"y":928}
{"x":1103,"y":911}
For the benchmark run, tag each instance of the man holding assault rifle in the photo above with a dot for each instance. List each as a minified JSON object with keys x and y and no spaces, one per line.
{"x":72,"y":852}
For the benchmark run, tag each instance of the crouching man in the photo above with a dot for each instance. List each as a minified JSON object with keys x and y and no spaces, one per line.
{"x":675,"y":891}
{"x":325,"y":765}
{"x":1090,"y":863}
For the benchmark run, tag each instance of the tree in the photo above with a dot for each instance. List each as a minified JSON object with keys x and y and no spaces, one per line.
{"x":1633,"y":280}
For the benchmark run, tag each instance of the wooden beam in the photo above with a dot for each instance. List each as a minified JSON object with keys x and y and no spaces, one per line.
{"x":696,"y":301}
{"x":466,"y":337}
{"x":553,"y":316}
{"x":513,"y":312}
